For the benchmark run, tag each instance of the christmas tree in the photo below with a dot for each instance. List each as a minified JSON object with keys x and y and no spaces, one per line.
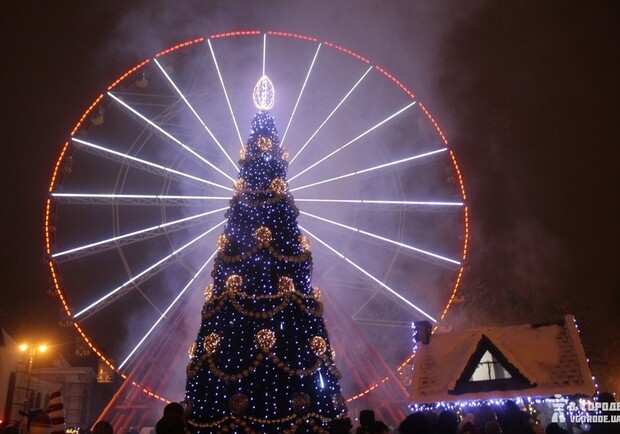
{"x":262,"y":361}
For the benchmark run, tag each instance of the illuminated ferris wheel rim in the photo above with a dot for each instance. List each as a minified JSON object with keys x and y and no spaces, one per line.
{"x":48,"y":226}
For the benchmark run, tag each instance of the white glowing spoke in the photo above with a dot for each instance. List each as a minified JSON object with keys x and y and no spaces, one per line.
{"x":370,"y":169}
{"x":387,"y":240}
{"x":366,"y":273}
{"x":331,"y":114}
{"x":381,"y":202}
{"x":145,"y":271}
{"x":219,"y":74}
{"x":170,"y":136}
{"x":264,"y":50}
{"x":301,"y":92}
{"x":139,"y":232}
{"x":148,"y":163}
{"x":159,"y":197}
{"x":163,"y":315}
{"x":354,"y":140}
{"x":217,"y":142}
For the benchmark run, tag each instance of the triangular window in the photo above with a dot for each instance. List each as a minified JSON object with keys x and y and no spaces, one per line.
{"x":489,"y":368}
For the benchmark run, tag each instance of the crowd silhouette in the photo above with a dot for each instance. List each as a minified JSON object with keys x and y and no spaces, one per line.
{"x":484,"y":419}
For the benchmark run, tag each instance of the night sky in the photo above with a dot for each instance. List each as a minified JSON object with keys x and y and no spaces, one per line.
{"x":526,"y":93}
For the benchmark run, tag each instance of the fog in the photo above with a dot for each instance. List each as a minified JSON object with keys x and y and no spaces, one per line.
{"x":417,"y":43}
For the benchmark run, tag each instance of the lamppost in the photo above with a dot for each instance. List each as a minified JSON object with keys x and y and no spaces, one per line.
{"x":32,"y":352}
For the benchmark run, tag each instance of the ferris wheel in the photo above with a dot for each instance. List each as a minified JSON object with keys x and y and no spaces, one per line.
{"x":139,"y":193}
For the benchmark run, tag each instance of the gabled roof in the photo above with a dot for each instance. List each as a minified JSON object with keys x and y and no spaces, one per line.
{"x":544,"y":360}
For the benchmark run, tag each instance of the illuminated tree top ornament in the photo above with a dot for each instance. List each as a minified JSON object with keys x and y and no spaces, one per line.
{"x":264,"y":94}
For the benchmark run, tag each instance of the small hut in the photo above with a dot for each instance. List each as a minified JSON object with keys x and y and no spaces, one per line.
{"x":533,"y":363}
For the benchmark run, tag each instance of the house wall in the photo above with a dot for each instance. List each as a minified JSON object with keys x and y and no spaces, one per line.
{"x":75,"y":384}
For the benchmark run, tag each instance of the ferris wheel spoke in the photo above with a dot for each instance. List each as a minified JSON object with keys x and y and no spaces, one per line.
{"x":301,"y":92}
{"x":264,"y":51}
{"x":134,"y":199}
{"x":384,"y":239}
{"x":170,"y":136}
{"x":141,"y":164}
{"x":191,"y":108}
{"x":370,"y":276}
{"x":386,"y":204}
{"x":393,"y":115}
{"x":331,"y":114}
{"x":168,"y":309}
{"x":142,"y":276}
{"x":132,"y":237}
{"x":219,"y":74}
{"x":372,"y":169}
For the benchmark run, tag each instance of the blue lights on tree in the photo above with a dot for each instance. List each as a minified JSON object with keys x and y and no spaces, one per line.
{"x":262,"y":361}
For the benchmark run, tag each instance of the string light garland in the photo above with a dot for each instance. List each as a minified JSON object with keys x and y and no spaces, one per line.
{"x":213,"y":307}
{"x":293,"y":420}
{"x":265,"y":343}
{"x":564,"y":407}
{"x":304,"y":257}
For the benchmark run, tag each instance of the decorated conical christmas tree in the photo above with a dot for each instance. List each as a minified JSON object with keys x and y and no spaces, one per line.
{"x":262,"y":361}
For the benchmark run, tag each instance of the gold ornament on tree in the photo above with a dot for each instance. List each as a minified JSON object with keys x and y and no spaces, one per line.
{"x":238,"y":404}
{"x":263,"y":235}
{"x":304,"y":243}
{"x":264,"y":144}
{"x":234,"y":283}
{"x":239,"y":186}
{"x":242,"y":152}
{"x":318,"y":345}
{"x":208,"y":292}
{"x":211,"y":343}
{"x":265,"y":339}
{"x":191,"y":352}
{"x":222,"y":242}
{"x":300,"y":402}
{"x":279,"y":186}
{"x":286,"y":284}
{"x":285,"y":155}
{"x":316,"y":292}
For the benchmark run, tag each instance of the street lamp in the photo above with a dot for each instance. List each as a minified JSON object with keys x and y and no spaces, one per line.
{"x":32,"y":352}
